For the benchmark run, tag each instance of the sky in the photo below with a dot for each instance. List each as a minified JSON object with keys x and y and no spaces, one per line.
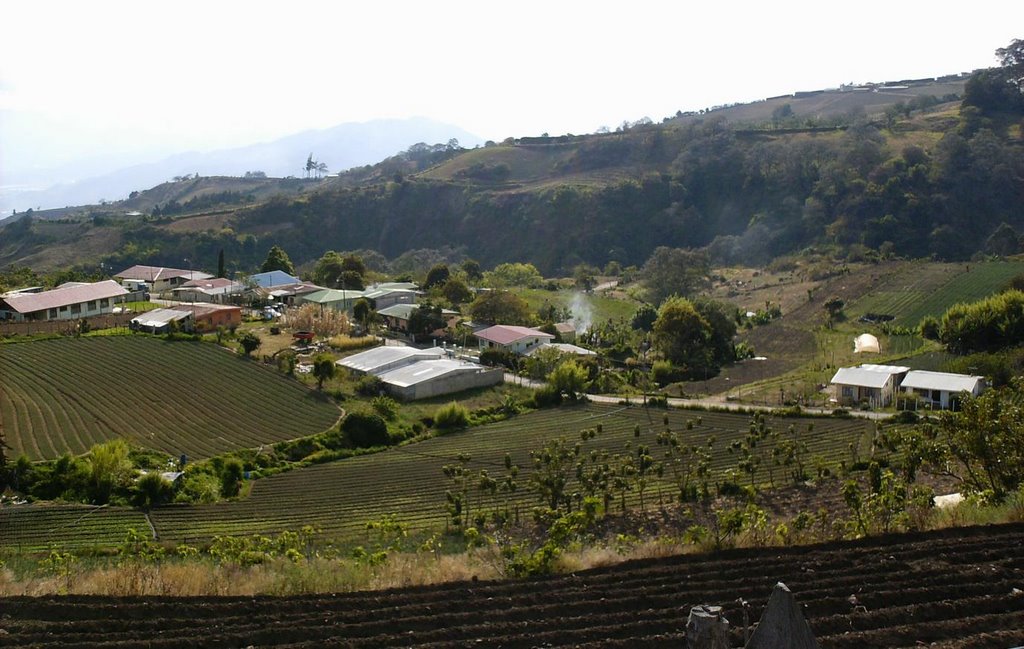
{"x":109,"y":79}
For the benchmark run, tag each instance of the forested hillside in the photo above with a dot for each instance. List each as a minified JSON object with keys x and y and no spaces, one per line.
{"x":928,"y":177}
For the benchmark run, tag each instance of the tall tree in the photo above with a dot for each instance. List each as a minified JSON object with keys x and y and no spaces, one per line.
{"x":277,"y":259}
{"x":501,"y":307}
{"x":1011,"y":58}
{"x":323,"y":369}
{"x":221,"y":270}
{"x":437,"y":276}
{"x":682,"y":334}
{"x":674,"y":271}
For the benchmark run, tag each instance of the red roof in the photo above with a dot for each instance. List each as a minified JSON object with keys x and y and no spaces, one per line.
{"x":508,"y":334}
{"x":65,"y":296}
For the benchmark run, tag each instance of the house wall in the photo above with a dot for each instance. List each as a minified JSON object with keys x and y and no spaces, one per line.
{"x":392,"y":299}
{"x":518,"y":347}
{"x":164,"y":285}
{"x":854,"y":395}
{"x":70,"y":312}
{"x":221,"y":317}
{"x":456,"y":382}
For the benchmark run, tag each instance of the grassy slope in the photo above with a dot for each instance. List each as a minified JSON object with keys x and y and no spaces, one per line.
{"x":804,"y":353}
{"x":177,"y":397}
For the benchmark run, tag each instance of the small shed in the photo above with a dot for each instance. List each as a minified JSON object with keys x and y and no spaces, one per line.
{"x":941,"y":389}
{"x":160,"y":321}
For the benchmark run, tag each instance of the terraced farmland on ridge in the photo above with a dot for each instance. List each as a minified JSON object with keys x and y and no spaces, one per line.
{"x":408,"y":482}
{"x":64,"y":395}
{"x":943,"y":589}
{"x":922,"y":289}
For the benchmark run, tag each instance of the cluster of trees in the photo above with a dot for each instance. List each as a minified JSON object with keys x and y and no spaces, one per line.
{"x":989,"y":325}
{"x":202,"y":202}
{"x":110,"y":474}
{"x":335,"y":270}
{"x":979,"y":445}
{"x":695,"y":336}
{"x":314,"y":168}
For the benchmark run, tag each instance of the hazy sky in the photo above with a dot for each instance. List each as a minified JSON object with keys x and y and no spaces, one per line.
{"x":98,"y":77}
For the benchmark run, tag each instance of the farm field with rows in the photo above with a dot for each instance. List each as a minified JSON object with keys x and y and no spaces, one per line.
{"x":64,"y":395}
{"x":924,"y":289}
{"x":957,"y":587}
{"x":408,"y":482}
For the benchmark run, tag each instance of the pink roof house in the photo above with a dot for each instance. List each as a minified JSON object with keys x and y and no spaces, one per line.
{"x":517,"y":340}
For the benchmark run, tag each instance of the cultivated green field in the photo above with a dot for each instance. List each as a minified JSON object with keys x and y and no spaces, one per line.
{"x":64,"y":395}
{"x":40,"y":527}
{"x":599,"y":307}
{"x":931,"y":288}
{"x":408,"y":482}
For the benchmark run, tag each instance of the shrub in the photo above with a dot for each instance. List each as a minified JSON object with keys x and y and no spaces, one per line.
{"x":369,"y":386}
{"x":343,"y":343}
{"x":496,"y":357}
{"x":365,"y":430}
{"x":385,"y":406}
{"x":664,"y":373}
{"x":453,"y":415}
{"x":547,"y":397}
{"x":929,"y":328}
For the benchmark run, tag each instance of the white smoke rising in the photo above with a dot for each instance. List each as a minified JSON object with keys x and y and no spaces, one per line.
{"x":582,"y":313}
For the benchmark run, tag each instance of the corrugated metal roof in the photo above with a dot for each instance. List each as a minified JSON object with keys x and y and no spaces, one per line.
{"x":867,"y":376}
{"x":154,"y":273}
{"x":273,"y":278}
{"x":924,"y":380}
{"x":381,"y":292}
{"x":423,"y":371}
{"x":403,"y":311}
{"x":382,"y":358}
{"x":66,"y":296}
{"x":565,"y":348}
{"x":330,"y":296}
{"x":508,"y":334}
{"x":160,"y":317}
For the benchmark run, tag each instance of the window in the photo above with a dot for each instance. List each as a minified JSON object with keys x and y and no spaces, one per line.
{"x":91,"y":306}
{"x":76,"y":309}
{"x":53,"y":313}
{"x":104,"y":303}
{"x":847,"y":391}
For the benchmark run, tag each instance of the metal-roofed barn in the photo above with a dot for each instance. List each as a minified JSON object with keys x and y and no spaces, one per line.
{"x":381,"y":359}
{"x":424,"y":379}
{"x":410,"y":373}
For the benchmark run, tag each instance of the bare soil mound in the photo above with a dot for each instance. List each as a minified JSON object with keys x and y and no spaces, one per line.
{"x":950,"y":588}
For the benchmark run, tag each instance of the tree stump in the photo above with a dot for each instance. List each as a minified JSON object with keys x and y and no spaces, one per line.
{"x":707,"y":628}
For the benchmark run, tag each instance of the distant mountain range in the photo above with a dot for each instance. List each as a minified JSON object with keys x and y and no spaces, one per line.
{"x":340,"y":147}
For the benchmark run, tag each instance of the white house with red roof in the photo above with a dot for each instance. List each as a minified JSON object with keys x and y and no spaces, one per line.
{"x":66,"y":302}
{"x":517,"y":340}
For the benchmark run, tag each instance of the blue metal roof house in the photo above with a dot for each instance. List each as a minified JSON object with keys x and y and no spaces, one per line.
{"x":273,"y":278}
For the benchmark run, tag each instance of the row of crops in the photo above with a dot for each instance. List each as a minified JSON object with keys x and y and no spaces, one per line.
{"x":67,"y":394}
{"x":408,"y":482}
{"x":924,"y":289}
{"x":66,"y":526}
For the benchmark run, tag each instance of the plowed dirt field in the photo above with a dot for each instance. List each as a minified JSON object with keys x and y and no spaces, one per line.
{"x":952,"y":588}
